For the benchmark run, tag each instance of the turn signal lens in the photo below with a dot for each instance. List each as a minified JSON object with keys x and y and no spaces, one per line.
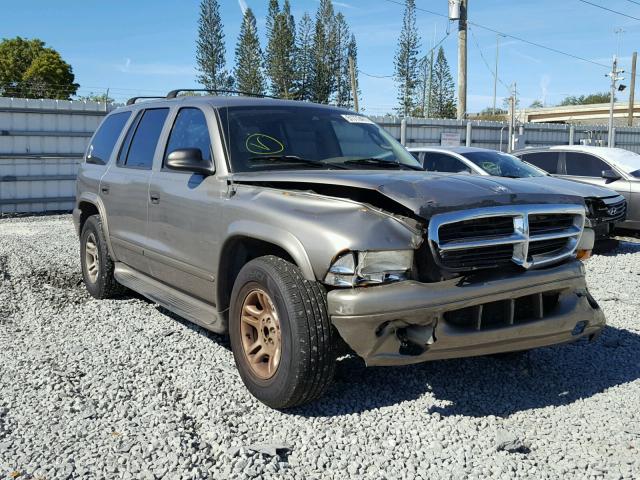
{"x":583,"y":255}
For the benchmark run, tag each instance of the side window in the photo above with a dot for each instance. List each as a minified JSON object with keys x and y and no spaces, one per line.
{"x":584,"y":165}
{"x":124,"y":148}
{"x":418,"y":156}
{"x":190,"y":131}
{"x":138,"y":151}
{"x":441,"y":162}
{"x":105,"y":139}
{"x":547,"y":161}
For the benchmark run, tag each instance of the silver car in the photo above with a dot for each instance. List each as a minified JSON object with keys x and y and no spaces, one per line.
{"x":290,"y":225}
{"x":613,"y":168}
{"x":606,"y":208}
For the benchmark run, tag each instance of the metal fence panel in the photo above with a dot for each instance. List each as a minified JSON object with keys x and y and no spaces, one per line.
{"x":41,"y":145}
{"x":487,"y":134}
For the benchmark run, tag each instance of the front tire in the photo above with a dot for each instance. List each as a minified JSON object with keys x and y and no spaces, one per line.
{"x":282,"y":340}
{"x":97,"y":266}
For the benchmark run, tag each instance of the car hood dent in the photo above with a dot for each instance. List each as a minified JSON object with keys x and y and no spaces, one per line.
{"x":573,"y":188}
{"x":425,"y":194}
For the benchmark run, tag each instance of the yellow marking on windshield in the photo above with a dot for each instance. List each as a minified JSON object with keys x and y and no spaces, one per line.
{"x":262,"y":144}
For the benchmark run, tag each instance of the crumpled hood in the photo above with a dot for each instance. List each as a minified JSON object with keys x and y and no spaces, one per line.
{"x":426,"y":194}
{"x":569,"y":187}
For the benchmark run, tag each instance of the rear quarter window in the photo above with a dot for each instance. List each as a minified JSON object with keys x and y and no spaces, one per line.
{"x":104,"y":141}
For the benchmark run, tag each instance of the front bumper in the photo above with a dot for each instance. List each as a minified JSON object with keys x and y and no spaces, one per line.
{"x":408,"y":322}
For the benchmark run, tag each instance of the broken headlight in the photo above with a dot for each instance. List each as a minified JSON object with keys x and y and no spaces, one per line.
{"x":370,"y":268}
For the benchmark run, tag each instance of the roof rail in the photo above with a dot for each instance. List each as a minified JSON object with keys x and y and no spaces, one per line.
{"x":133,"y":100}
{"x":174,"y":93}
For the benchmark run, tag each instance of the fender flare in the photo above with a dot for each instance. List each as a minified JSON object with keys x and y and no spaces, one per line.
{"x":95,"y":200}
{"x":282,"y":238}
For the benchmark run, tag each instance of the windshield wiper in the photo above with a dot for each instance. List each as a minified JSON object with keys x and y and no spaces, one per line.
{"x":382,"y":163}
{"x":297,"y":159}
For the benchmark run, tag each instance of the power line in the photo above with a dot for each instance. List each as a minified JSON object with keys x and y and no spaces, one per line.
{"x":392,"y":76}
{"x":632,"y":1}
{"x":374,"y":76}
{"x":493,"y":74}
{"x":514,"y":37}
{"x":610,"y":10}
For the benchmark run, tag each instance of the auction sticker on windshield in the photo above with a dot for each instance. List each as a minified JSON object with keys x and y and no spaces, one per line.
{"x":356,"y":119}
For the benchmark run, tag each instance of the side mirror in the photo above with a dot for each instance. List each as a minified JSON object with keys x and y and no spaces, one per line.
{"x":610,"y":175}
{"x":188,"y":160}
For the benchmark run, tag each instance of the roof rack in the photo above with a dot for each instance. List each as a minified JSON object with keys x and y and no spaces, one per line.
{"x":133,"y":100}
{"x":174,"y":93}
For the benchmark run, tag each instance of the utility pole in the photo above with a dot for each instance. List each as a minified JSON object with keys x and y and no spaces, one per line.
{"x":612,"y":101}
{"x":495,"y":75}
{"x":462,"y":60}
{"x":512,"y":119}
{"x":632,"y":88}
{"x":354,"y":83}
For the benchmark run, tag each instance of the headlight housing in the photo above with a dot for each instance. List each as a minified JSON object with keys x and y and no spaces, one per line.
{"x":370,"y":268}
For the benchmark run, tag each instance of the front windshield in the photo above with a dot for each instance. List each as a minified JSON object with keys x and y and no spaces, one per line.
{"x":503,"y":165}
{"x":629,"y":162}
{"x":288,"y":137}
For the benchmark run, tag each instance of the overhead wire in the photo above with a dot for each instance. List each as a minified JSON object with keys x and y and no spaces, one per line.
{"x":509,"y":35}
{"x":428,"y":53}
{"x":610,"y":10}
{"x":491,"y":71}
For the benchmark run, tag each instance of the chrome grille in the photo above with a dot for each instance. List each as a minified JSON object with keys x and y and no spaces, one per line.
{"x":527,"y":235}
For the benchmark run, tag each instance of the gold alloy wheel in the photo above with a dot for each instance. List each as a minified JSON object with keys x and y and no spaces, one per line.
{"x":91,"y":259}
{"x":260,"y":330}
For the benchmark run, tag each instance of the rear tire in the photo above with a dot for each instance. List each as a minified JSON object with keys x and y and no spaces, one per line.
{"x":281,"y":336}
{"x":97,"y":266}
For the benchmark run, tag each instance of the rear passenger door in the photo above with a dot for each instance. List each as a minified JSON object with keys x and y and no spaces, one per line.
{"x":547,"y":161}
{"x":124,"y":188}
{"x":185,"y":210}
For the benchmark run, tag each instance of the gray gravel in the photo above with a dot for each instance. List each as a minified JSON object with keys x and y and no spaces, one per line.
{"x":122,"y":389}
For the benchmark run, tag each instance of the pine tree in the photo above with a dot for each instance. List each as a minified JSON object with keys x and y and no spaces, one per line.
{"x":341,"y":39}
{"x":443,"y":102}
{"x":210,"y":53}
{"x":249,"y":60}
{"x":272,"y":13}
{"x":322,"y":83}
{"x":304,"y":58}
{"x":424,"y":85}
{"x":281,"y":53}
{"x":406,"y":61}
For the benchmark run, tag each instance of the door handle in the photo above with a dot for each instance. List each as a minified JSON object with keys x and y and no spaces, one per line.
{"x":104,"y":189}
{"x":155,"y":197}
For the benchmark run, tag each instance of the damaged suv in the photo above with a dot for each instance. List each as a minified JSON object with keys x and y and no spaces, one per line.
{"x":292,"y":226}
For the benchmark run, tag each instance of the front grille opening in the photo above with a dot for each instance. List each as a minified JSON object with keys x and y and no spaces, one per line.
{"x":484,"y":257}
{"x":541,"y":224}
{"x":483,"y":228}
{"x":546,"y":247}
{"x":504,"y":313}
{"x":601,"y":210}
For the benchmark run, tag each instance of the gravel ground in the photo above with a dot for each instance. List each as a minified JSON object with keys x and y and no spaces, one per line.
{"x":123,"y":389}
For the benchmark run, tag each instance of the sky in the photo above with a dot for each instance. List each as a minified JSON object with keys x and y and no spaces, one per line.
{"x":139,"y":47}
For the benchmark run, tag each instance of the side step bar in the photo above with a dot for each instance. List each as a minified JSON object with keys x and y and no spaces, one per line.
{"x":174,"y":300}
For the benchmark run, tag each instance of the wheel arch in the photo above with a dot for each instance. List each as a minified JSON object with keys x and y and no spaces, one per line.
{"x":90,"y":204}
{"x":247,"y":240}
